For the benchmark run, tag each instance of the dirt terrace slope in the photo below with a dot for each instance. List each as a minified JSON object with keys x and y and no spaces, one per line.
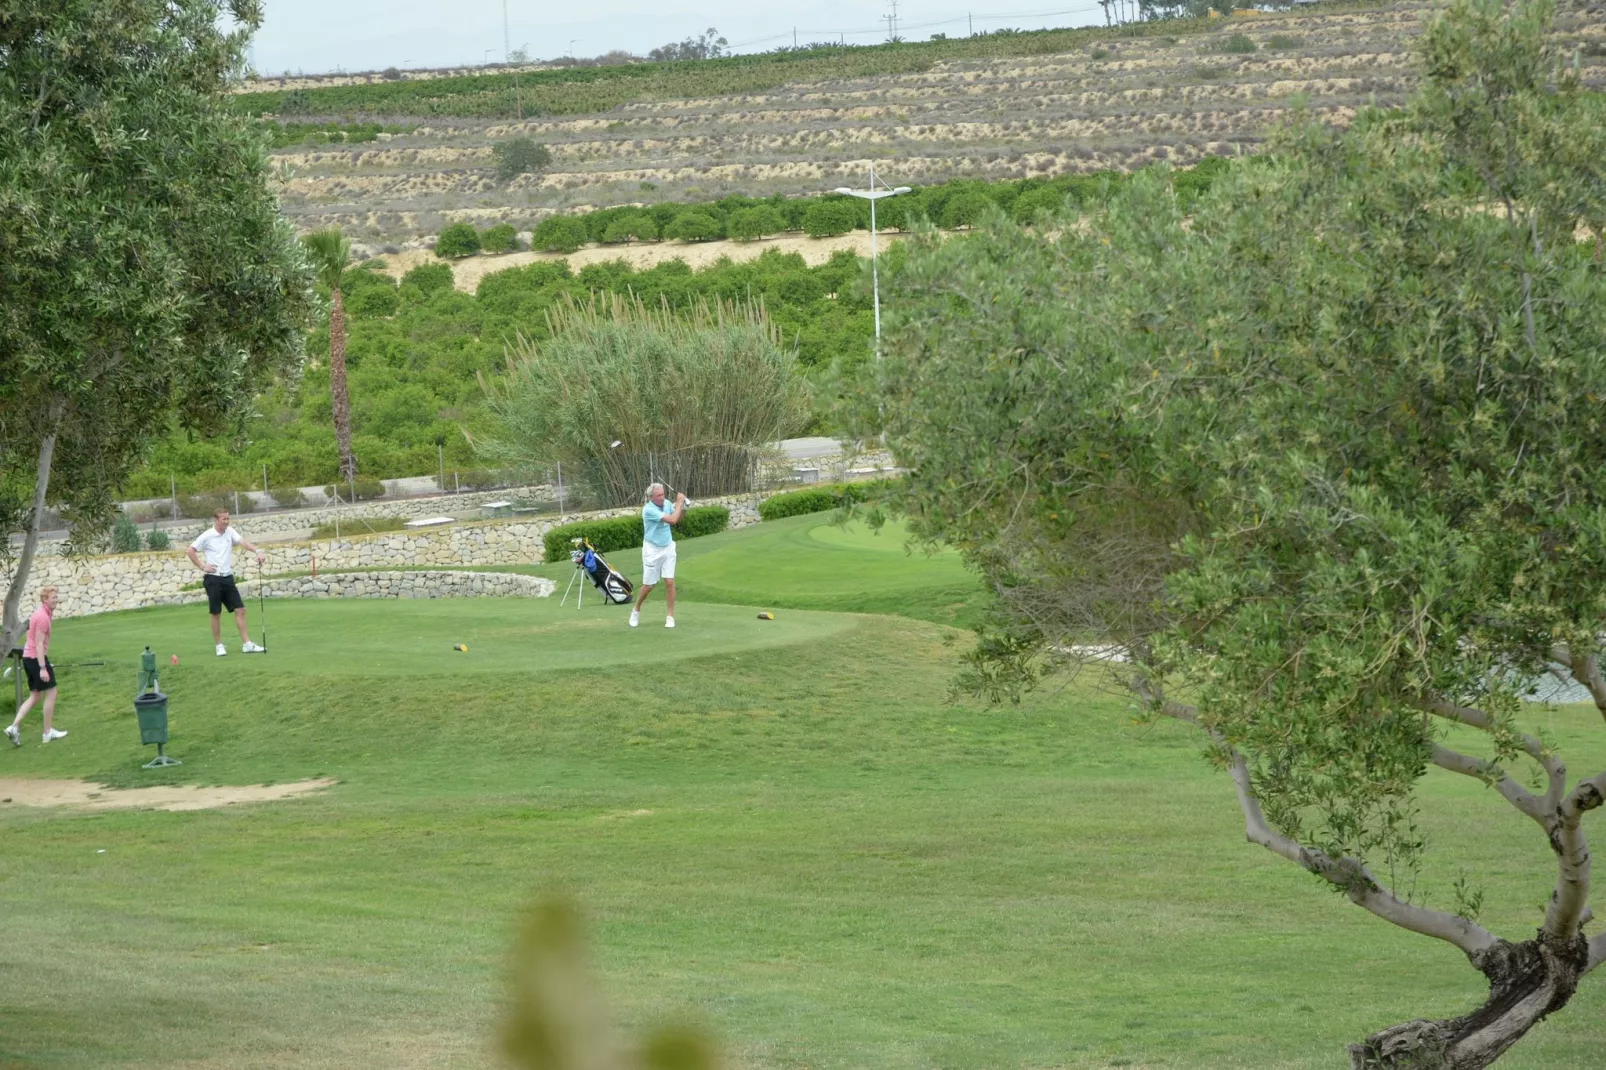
{"x":1142,"y":100}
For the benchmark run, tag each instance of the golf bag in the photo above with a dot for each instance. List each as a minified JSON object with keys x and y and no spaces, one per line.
{"x":611,"y":582}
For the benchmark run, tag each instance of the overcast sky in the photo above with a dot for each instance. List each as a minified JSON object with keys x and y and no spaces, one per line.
{"x":325,"y":35}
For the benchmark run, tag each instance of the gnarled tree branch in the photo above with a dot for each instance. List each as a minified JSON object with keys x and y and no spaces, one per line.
{"x":1555,"y":769}
{"x":1570,"y":900}
{"x":1490,"y":772}
{"x":1585,"y":667}
{"x":1353,"y":878}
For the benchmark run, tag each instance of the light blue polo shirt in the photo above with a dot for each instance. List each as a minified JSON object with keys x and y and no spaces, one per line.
{"x":655,"y":529}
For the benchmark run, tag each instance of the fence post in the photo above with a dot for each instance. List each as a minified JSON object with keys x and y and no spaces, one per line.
{"x":173,"y":484}
{"x":560,"y":488}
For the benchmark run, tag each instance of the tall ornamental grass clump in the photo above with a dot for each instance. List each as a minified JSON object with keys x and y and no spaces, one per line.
{"x":691,"y":396}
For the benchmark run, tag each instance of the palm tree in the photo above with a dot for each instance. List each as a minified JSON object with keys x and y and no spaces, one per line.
{"x":331,"y":255}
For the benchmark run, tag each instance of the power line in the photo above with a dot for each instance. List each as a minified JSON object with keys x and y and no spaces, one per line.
{"x":966,"y":20}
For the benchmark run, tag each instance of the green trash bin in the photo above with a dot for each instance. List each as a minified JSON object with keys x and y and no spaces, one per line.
{"x":150,"y":706}
{"x":151,"y":709}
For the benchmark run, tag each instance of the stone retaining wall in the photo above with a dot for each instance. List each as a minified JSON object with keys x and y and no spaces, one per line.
{"x":132,"y":581}
{"x":405,"y":585}
{"x":831,"y":469}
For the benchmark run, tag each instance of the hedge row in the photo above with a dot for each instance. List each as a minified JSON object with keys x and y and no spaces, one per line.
{"x":821,"y":499}
{"x":624,"y":532}
{"x":952,"y":204}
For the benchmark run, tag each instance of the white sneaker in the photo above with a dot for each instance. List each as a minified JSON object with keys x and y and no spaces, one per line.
{"x":54,"y":733}
{"x":220,"y":650}
{"x":635,"y":618}
{"x":669,"y":622}
{"x":13,"y":735}
{"x":252,"y":648}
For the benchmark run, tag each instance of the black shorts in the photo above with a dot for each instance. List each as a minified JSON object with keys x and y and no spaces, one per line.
{"x":30,"y":666}
{"x":221,"y":593}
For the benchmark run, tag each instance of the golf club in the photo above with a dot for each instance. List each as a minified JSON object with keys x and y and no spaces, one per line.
{"x":262,"y":605}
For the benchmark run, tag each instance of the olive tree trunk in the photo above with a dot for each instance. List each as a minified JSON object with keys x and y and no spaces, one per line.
{"x":11,"y":623}
{"x":1527,"y":981}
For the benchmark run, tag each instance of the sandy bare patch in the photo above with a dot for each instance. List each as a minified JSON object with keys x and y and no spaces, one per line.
{"x":82,"y":795}
{"x":468,"y":272}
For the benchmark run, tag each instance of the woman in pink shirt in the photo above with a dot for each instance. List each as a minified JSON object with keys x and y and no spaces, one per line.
{"x":41,"y":674}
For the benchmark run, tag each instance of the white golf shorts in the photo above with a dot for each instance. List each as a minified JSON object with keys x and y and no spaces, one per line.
{"x":657,"y":561}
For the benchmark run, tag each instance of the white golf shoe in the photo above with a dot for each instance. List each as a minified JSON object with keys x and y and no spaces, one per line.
{"x":252,"y":648}
{"x":13,"y":735}
{"x":221,"y":651}
{"x":669,"y":622}
{"x":54,"y":733}
{"x":635,"y":618}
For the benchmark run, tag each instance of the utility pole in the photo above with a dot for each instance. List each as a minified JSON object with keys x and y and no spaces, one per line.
{"x":794,"y":38}
{"x":507,"y":40}
{"x":972,"y":20}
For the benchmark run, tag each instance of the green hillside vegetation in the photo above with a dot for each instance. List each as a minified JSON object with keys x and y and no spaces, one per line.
{"x":578,"y":90}
{"x":415,"y":349}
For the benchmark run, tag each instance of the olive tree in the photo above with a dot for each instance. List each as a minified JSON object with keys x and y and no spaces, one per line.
{"x":146,"y":277}
{"x":1314,"y":466}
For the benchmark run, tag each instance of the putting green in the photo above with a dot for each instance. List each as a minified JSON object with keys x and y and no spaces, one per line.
{"x":411,"y":637}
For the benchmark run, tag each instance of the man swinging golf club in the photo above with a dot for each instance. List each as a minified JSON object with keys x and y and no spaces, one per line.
{"x":658,"y":550}
{"x":216,"y":543}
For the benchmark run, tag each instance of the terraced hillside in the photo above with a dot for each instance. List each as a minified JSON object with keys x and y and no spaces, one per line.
{"x":1123,"y":101}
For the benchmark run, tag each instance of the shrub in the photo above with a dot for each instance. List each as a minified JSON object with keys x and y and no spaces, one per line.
{"x":366,"y":490}
{"x":518,"y":156}
{"x":157,"y":539}
{"x":1029,"y":204}
{"x":703,"y":520}
{"x":1281,"y":41}
{"x":698,"y":391}
{"x":289,"y":497}
{"x":966,"y":209}
{"x":390,"y":74}
{"x":693,"y":225}
{"x":359,"y":525}
{"x":798,"y":502}
{"x":1238,"y":44}
{"x":429,"y":278}
{"x":125,"y":536}
{"x":624,"y":532}
{"x":822,"y":498}
{"x":1100,"y":53}
{"x":374,"y":302}
{"x":501,"y":238}
{"x":825,"y":219}
{"x":203,"y":506}
{"x":458,"y":240}
{"x":471,"y":479}
{"x":560,"y":234}
{"x":633,"y":227}
{"x":745,"y":224}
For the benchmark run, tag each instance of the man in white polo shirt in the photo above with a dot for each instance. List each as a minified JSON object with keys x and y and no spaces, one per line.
{"x":216,"y":545}
{"x":658,"y":550}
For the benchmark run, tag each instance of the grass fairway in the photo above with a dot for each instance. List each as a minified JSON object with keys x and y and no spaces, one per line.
{"x":779,"y":830}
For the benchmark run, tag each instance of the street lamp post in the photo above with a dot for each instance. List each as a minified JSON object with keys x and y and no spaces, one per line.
{"x":872,"y":195}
